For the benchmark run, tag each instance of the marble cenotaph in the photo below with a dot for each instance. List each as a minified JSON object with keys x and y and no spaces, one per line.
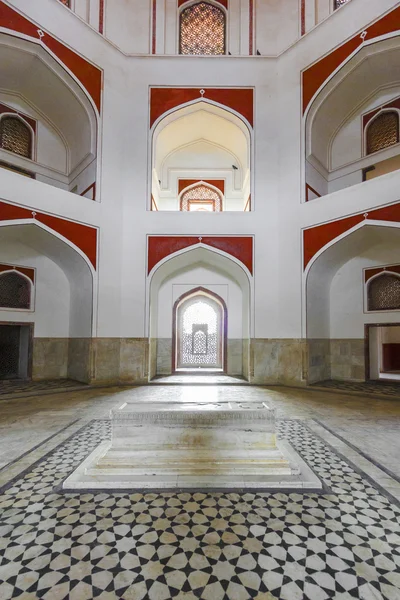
{"x":193,"y":445}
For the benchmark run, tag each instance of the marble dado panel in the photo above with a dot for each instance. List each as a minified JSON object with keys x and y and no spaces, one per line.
{"x":163,"y":356}
{"x":348,"y":359}
{"x":341,"y":359}
{"x":79,"y":359}
{"x":50,"y":358}
{"x":319,"y":360}
{"x":97,"y":360}
{"x":278,"y":361}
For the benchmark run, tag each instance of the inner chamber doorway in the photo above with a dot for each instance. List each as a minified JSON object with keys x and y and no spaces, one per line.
{"x":199,"y":332}
{"x":15,"y":351}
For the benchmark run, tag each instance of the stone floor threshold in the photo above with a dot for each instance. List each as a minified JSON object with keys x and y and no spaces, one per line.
{"x":377,"y":389}
{"x":194,"y":379}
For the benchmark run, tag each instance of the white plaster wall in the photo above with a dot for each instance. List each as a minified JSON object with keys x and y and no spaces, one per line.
{"x":51,"y":292}
{"x":348,"y":143}
{"x":127,"y":25}
{"x":277,"y":25}
{"x":347,"y":307}
{"x":50,"y":148}
{"x":278,"y":213}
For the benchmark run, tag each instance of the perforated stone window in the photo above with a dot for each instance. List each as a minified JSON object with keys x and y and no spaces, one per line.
{"x":383,"y":131}
{"x":201,"y":198}
{"x":384,"y":292}
{"x":199,"y":333}
{"x":15,"y":136}
{"x":15,"y":291}
{"x":339,"y":3}
{"x":202,"y":30}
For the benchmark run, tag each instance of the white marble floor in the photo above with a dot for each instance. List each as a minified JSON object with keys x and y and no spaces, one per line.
{"x":342,"y":543}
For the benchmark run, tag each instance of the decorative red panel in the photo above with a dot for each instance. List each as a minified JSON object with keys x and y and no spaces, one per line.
{"x":251,"y":27}
{"x":83,"y":236}
{"x":160,"y":247}
{"x":314,"y":76}
{"x":368,"y":273}
{"x":395,"y":103}
{"x":164,"y":99}
{"x":25,"y":270}
{"x":101,"y":16}
{"x":317,"y":237}
{"x":154,"y":27}
{"x":89,"y":75}
{"x":218,"y":183}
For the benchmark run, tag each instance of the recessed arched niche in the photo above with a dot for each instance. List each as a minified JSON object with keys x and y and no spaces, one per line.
{"x":202,"y":145}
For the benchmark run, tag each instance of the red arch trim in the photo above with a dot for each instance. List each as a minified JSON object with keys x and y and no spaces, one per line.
{"x":165,"y":99}
{"x":82,"y":236}
{"x":160,"y":247}
{"x":314,"y":76}
{"x":88,"y":74}
{"x":317,"y":237}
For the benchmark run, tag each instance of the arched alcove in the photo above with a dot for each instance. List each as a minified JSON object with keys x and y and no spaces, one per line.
{"x":183,"y":273}
{"x":336,"y":300}
{"x":338,"y":118}
{"x":63,"y":123}
{"x":62,"y":314}
{"x":200,"y":141}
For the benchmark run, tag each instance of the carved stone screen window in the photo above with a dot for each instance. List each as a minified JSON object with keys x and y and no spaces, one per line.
{"x":15,"y":291}
{"x":15,"y":136}
{"x":384,"y":292}
{"x":383,"y":131}
{"x":201,"y":198}
{"x":202,"y":30}
{"x":339,"y":3}
{"x":199,"y":333}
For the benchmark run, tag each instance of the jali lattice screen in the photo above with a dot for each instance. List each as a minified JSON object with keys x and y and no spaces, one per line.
{"x":384,"y":292}
{"x":202,"y":30}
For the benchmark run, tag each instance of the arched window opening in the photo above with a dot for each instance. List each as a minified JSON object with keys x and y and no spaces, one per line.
{"x":15,"y":291}
{"x":339,"y":3}
{"x":199,"y":335}
{"x":15,"y":136}
{"x":202,"y":30}
{"x":383,"y":131}
{"x":201,"y":198}
{"x":384,"y":292}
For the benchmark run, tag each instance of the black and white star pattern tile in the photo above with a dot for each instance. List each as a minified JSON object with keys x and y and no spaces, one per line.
{"x":343,"y":543}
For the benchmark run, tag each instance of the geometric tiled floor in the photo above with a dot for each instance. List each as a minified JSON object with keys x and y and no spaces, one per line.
{"x":21,"y":386}
{"x":385,"y":388}
{"x":342,"y":543}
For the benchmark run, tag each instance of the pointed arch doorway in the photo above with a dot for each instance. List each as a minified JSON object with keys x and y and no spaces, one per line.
{"x":199,"y":336}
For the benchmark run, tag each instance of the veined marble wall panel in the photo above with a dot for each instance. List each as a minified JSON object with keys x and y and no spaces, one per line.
{"x":106,"y":359}
{"x":347,"y":359}
{"x":80,"y":359}
{"x":50,"y":358}
{"x":319,"y":360}
{"x":235,"y":357}
{"x":278,"y":361}
{"x":164,"y":356}
{"x":133,"y":359}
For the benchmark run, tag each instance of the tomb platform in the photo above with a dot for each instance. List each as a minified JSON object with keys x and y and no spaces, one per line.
{"x":224,"y":445}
